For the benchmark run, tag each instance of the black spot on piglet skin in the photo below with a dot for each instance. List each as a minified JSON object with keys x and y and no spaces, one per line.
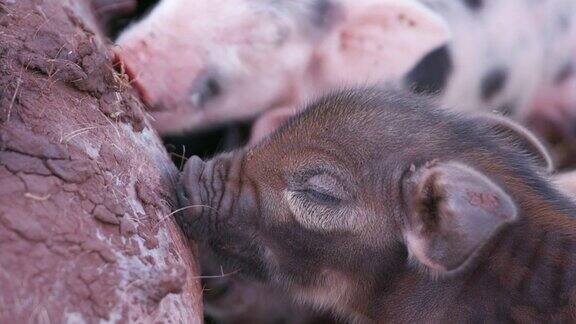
{"x":565,"y":72}
{"x":493,"y":83}
{"x":323,"y":12}
{"x":431,"y":73}
{"x":473,"y":4}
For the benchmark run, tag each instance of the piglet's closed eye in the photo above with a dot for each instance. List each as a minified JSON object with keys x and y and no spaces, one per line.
{"x":454,"y":211}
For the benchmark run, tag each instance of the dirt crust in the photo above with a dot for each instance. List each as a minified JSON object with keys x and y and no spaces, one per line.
{"x":86,"y":187}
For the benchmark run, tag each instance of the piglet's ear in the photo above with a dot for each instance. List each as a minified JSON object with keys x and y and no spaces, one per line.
{"x":381,"y":39}
{"x":521,"y":138}
{"x":454,"y":212}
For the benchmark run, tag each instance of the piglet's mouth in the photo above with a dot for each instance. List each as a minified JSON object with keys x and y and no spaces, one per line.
{"x":123,"y":68}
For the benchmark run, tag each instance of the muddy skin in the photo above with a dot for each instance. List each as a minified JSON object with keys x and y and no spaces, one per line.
{"x":84,"y":182}
{"x":381,"y":207}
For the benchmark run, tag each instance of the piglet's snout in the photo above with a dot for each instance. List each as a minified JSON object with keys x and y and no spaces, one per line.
{"x":191,"y":181}
{"x":212,"y":189}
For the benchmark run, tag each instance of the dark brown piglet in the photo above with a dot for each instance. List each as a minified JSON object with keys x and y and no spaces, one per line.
{"x":379,"y":206}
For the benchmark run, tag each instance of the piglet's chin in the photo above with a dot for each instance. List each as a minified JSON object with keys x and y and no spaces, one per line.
{"x":178,"y":121}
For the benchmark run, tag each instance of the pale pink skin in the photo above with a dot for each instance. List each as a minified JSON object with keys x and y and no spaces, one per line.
{"x":265,"y":56}
{"x":378,"y":41}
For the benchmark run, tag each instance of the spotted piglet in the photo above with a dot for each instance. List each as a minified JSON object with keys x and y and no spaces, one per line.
{"x":200,"y":63}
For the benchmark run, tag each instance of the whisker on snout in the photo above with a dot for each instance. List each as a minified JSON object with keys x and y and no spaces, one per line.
{"x":221,"y":275}
{"x":164,"y":218}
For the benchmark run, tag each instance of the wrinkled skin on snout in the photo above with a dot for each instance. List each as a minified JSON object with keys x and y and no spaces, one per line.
{"x":360,"y":189}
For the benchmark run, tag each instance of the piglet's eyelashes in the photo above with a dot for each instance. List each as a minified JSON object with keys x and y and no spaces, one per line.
{"x":318,"y":196}
{"x":321,"y":188}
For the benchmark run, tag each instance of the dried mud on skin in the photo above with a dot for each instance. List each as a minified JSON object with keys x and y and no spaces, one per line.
{"x":85,"y":184}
